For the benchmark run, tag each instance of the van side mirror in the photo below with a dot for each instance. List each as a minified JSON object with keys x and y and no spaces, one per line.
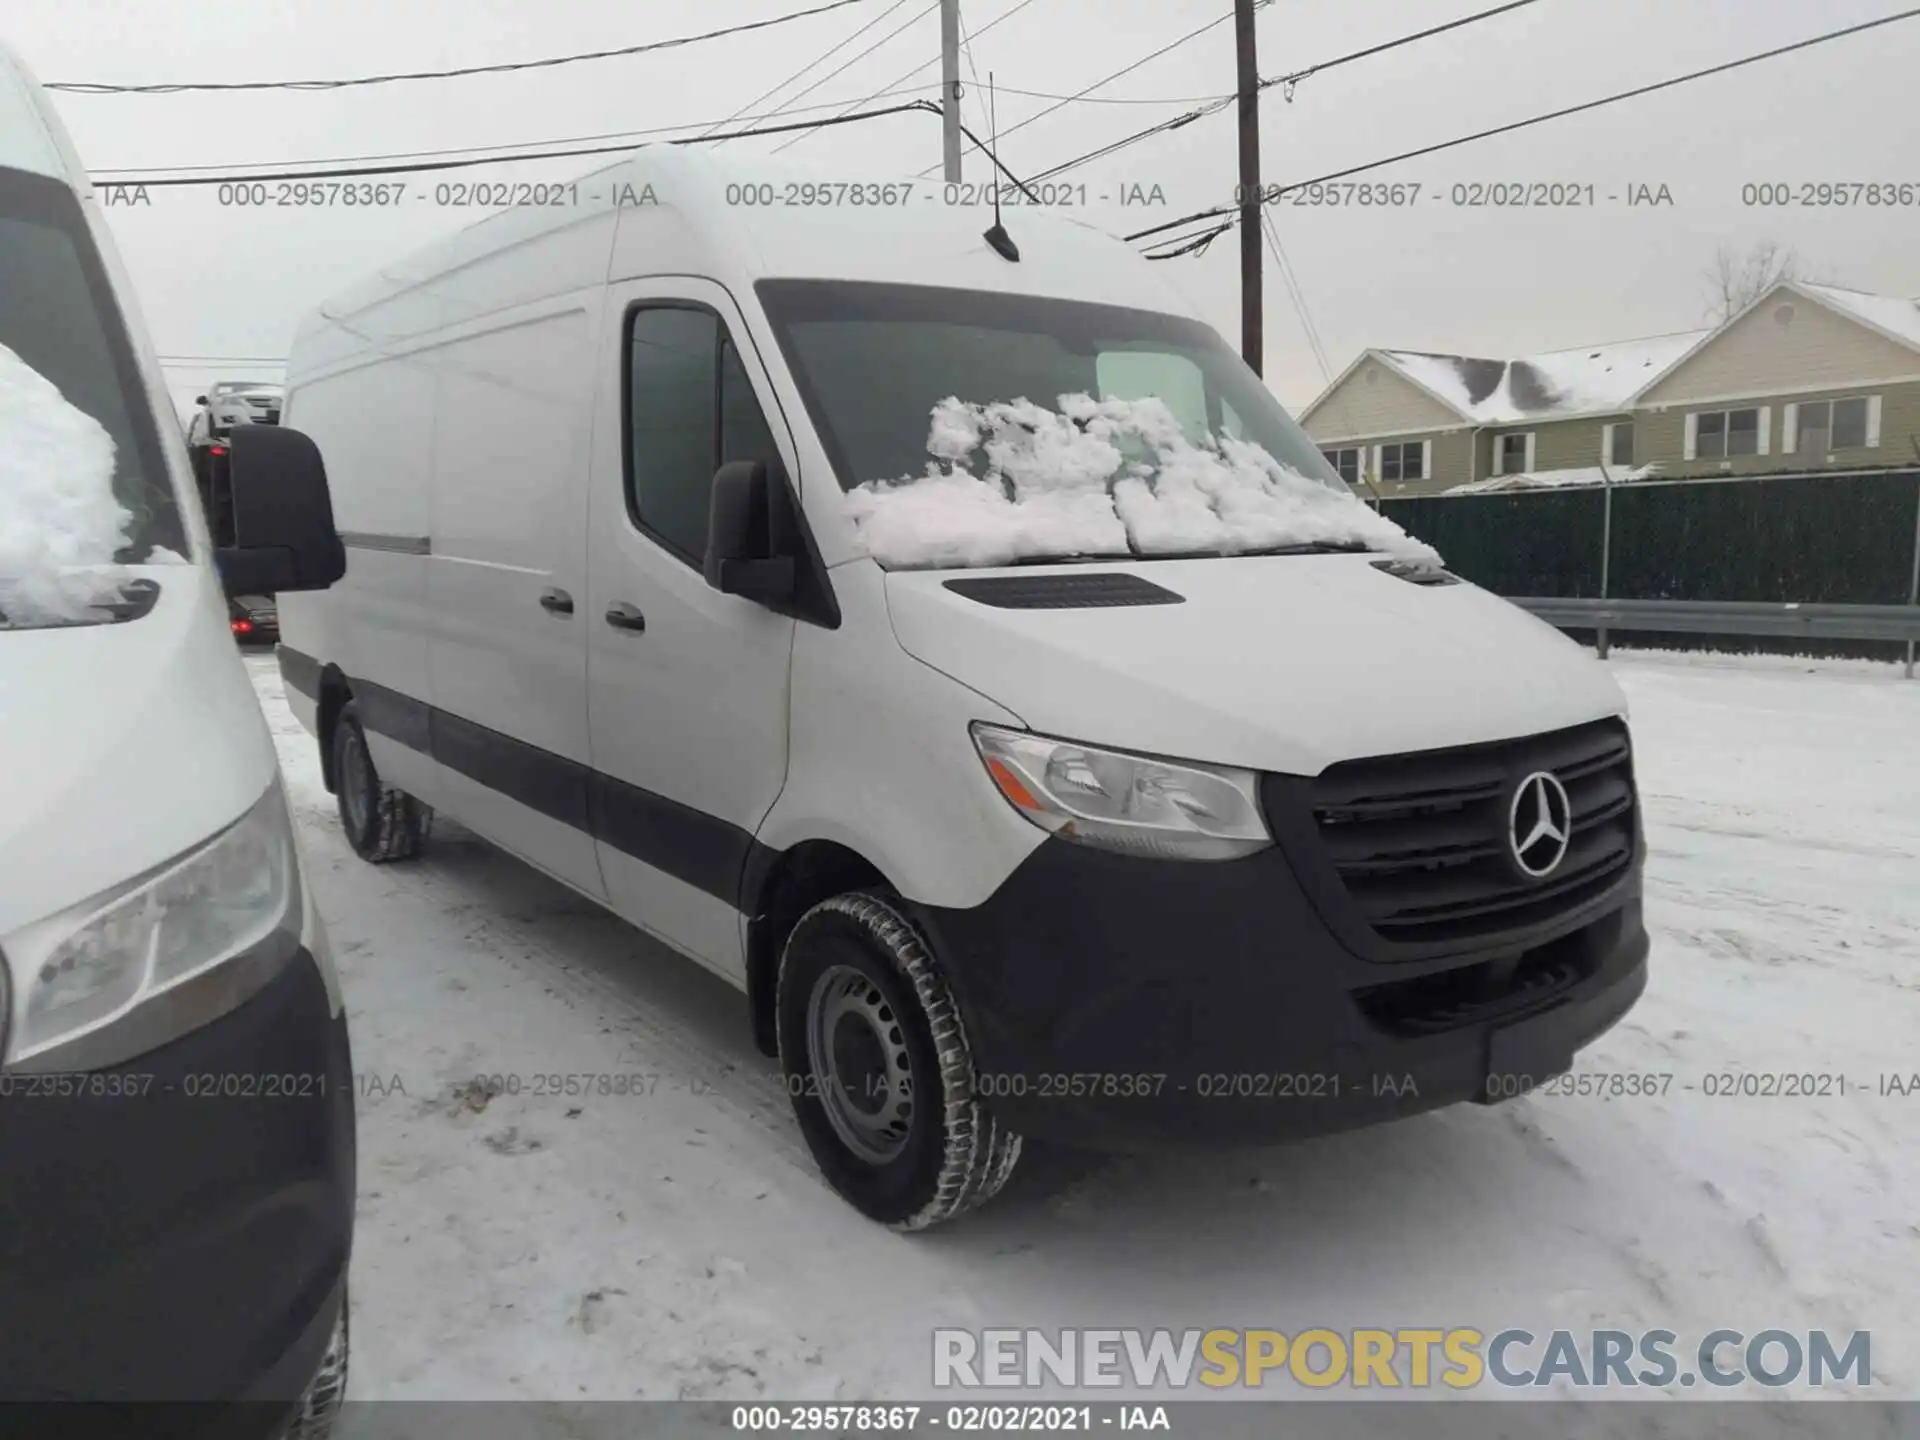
{"x":282,"y":515}
{"x":742,"y":558}
{"x":199,"y":399}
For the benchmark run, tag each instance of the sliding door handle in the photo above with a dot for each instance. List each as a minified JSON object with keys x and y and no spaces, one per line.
{"x":626,"y":617}
{"x":556,"y":602}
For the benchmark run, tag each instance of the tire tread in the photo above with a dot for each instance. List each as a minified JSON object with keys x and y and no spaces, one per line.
{"x":980,"y":1153}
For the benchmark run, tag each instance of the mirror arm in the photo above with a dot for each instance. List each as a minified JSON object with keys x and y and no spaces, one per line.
{"x":261,"y":570}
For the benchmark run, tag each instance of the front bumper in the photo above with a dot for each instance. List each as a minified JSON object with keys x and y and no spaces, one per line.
{"x":1119,"y":1002}
{"x":185,"y":1239}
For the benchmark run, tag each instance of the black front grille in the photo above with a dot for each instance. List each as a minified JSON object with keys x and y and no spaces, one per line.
{"x":1421,"y":842}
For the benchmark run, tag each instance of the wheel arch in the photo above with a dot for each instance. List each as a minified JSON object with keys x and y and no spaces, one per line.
{"x":335,"y":692}
{"x":780,"y":887}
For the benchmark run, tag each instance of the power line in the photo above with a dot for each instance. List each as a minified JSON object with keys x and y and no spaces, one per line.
{"x":966,"y":48}
{"x":1220,"y":102}
{"x":78,"y":87}
{"x":1195,"y":244}
{"x":1212,"y":107}
{"x":1298,"y":294}
{"x":890,"y":87}
{"x":1117,"y":99}
{"x":1297,"y":76}
{"x":1108,"y":80}
{"x":501,"y":150}
{"x":1275,"y":192}
{"x":911,"y":20}
{"x":357,"y":172}
{"x":823,"y":55}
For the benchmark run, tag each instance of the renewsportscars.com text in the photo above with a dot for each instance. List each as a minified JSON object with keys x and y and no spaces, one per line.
{"x":1458,"y":1358}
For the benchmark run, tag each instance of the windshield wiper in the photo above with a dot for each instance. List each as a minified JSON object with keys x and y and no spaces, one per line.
{"x":1317,"y":547}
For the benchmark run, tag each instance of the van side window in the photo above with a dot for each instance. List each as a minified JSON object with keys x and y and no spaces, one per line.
{"x":690,"y":408}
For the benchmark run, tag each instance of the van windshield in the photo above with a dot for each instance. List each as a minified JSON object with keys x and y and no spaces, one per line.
{"x":61,"y":327}
{"x":1062,"y":405}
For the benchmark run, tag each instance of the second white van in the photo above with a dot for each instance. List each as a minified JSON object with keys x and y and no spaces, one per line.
{"x":949,"y":641}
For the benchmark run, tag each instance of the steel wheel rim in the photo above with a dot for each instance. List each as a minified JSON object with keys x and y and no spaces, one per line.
{"x":355,"y":780}
{"x":858,"y":1063}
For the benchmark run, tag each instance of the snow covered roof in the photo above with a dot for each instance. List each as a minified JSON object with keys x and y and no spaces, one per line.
{"x":1557,"y":385}
{"x":1888,"y":314}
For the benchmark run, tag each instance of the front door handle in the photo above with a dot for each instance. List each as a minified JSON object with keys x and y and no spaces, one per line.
{"x":556,"y":601}
{"x":626,"y":617}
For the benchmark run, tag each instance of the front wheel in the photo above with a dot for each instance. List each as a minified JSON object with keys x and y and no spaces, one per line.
{"x":879,"y":1070}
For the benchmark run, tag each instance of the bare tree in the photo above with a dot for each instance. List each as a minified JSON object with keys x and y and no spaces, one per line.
{"x":1735,"y":281}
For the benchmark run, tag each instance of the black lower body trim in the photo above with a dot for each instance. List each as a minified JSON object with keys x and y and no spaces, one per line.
{"x":551,"y":784}
{"x":395,"y":715}
{"x":178,"y":1228}
{"x":1120,"y":1002}
{"x":705,"y":852}
{"x":713,"y":855}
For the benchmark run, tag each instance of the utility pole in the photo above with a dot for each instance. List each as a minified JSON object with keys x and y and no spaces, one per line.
{"x":950,"y":87}
{"x":1252,"y":306}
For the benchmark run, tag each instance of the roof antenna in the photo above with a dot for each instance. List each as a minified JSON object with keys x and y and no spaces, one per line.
{"x":997,"y":237}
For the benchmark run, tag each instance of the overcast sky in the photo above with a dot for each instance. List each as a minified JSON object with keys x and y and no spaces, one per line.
{"x":232,"y":282}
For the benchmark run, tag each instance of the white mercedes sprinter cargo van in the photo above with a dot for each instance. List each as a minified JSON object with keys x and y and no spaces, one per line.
{"x":956,"y":647}
{"x":176,"y":1103}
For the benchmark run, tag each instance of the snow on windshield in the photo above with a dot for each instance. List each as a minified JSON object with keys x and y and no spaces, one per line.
{"x":1099,"y":477}
{"x":60,"y":522}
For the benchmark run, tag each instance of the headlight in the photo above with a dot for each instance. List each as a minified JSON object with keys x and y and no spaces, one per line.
{"x":134,"y":968}
{"x":1130,"y":803}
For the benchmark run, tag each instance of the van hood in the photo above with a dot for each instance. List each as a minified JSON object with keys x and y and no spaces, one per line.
{"x":125,"y":744}
{"x":1285,"y":663}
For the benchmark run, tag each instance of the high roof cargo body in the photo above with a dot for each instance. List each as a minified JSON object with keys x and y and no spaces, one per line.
{"x":958,"y":648}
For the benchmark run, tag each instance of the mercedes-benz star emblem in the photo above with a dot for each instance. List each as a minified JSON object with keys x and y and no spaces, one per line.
{"x":1539,"y":825}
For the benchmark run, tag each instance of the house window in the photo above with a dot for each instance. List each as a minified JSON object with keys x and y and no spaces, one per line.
{"x":1405,"y":461}
{"x":1620,"y":445}
{"x":1829,"y":425}
{"x":1346,"y":462}
{"x":1725,"y":433}
{"x":1513,"y":455}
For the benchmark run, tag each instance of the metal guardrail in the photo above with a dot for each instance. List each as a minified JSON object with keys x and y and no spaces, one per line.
{"x":1718,"y":617}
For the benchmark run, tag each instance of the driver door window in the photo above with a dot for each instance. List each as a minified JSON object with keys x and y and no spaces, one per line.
{"x":690,"y":408}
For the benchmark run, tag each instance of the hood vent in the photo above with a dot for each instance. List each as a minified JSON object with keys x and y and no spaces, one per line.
{"x":1064,"y":592}
{"x":1415,"y":572}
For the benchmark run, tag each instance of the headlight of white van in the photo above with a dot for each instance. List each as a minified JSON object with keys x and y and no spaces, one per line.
{"x":147,"y":962}
{"x":1171,"y":810}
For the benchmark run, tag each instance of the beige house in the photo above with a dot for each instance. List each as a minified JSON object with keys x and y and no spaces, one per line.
{"x":1806,"y":377}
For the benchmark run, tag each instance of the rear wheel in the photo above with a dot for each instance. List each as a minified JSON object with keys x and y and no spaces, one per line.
{"x":879,"y":1070}
{"x":382,"y":822}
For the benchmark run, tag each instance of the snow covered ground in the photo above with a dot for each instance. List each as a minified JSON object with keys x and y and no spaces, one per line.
{"x":676,"y":1242}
